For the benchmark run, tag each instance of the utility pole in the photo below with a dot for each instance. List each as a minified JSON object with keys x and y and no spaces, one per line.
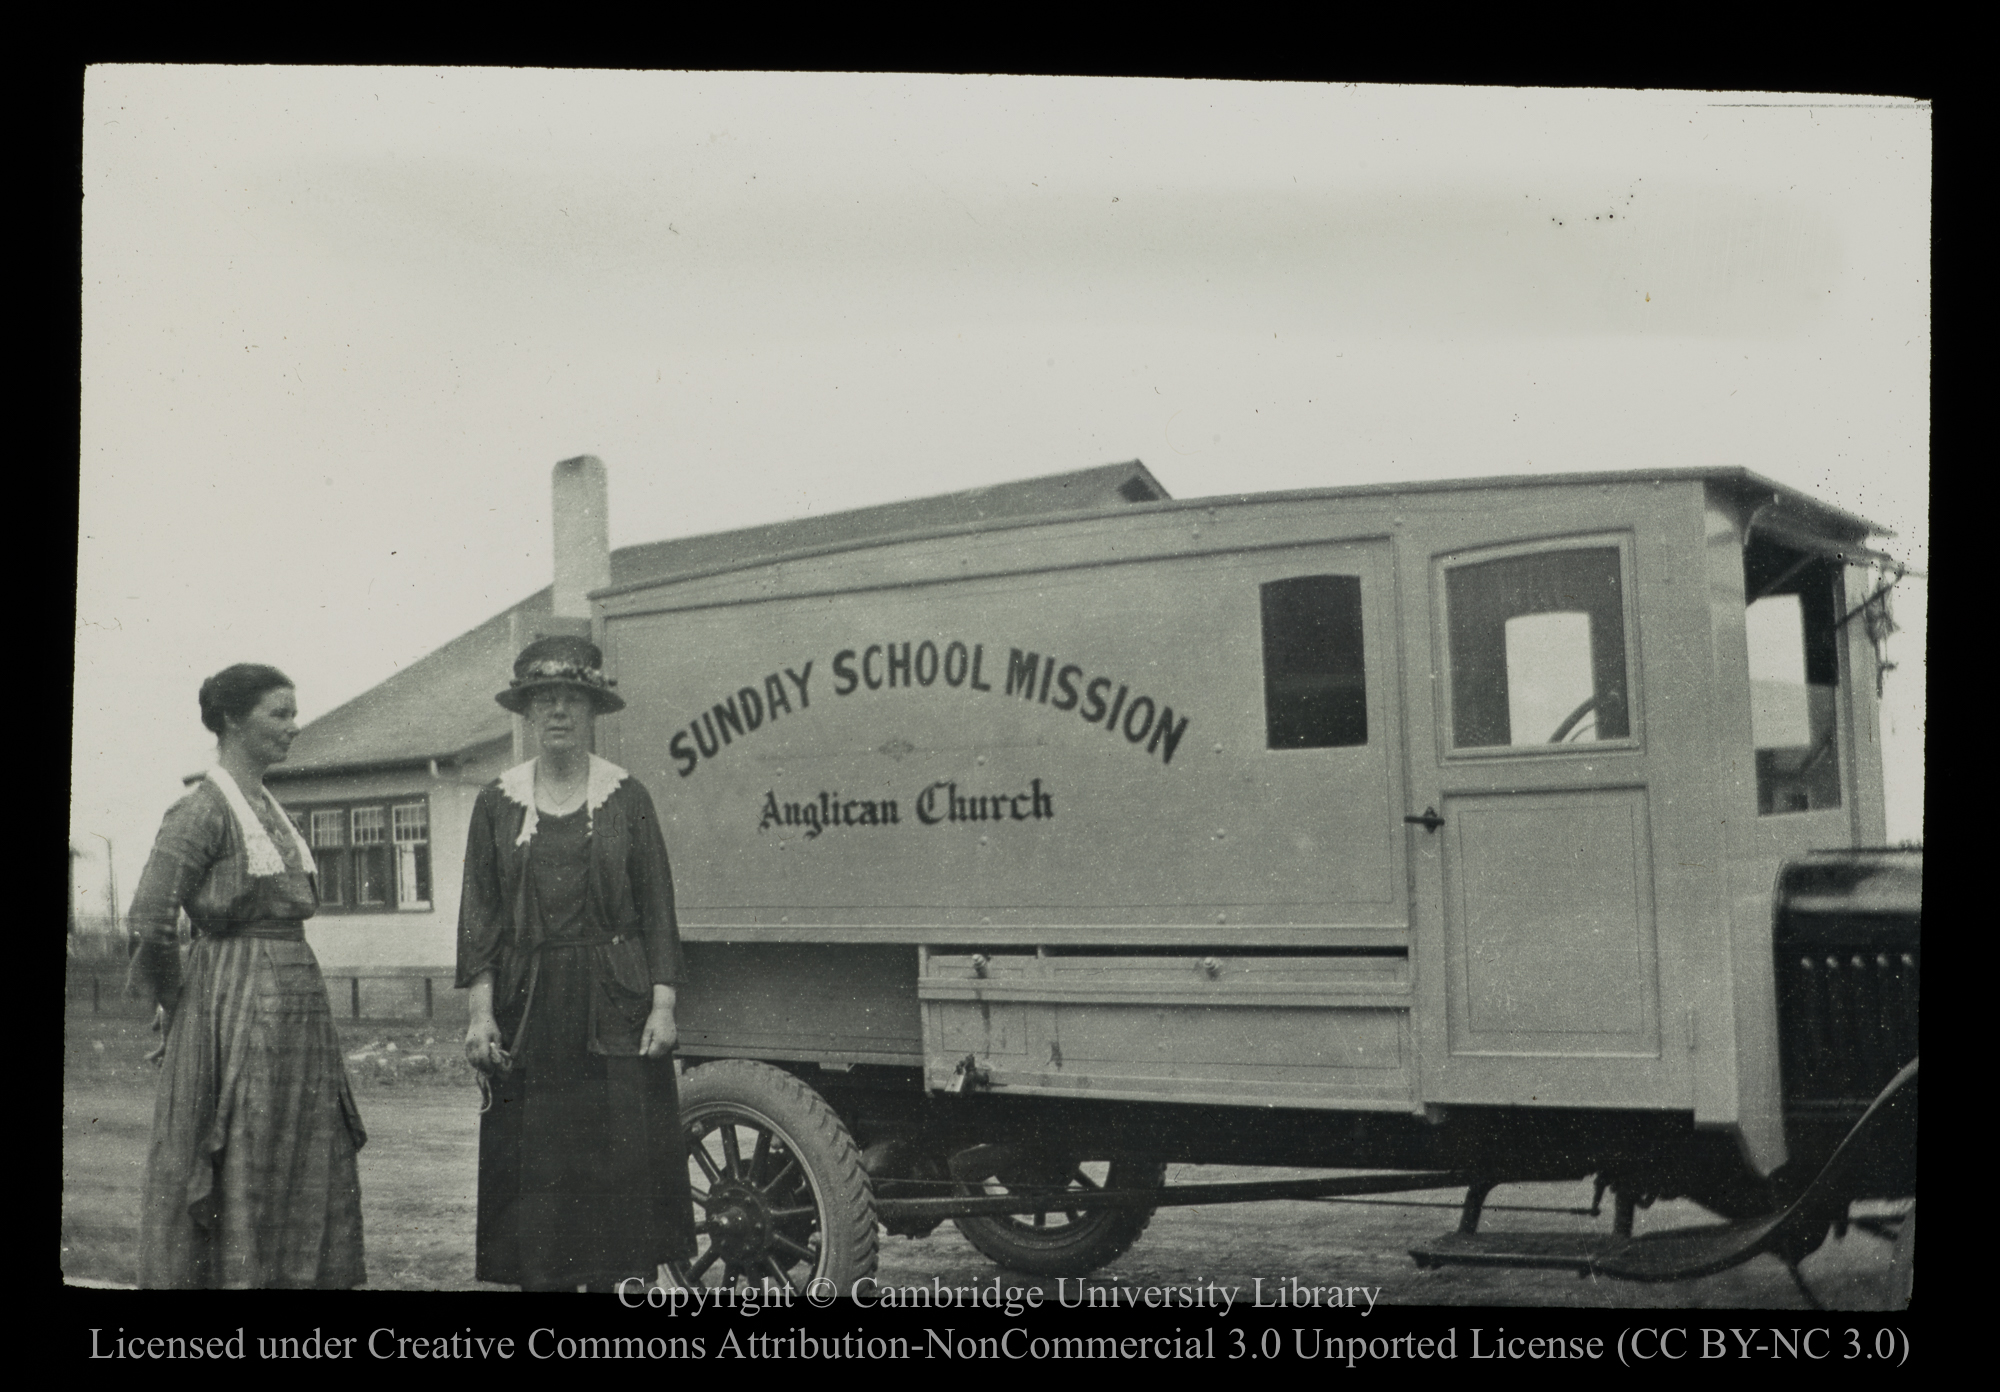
{"x":117,"y":914}
{"x":75,"y":854}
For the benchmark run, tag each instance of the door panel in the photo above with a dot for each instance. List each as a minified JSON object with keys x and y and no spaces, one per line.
{"x":1536,"y":941}
{"x":1550,"y":924}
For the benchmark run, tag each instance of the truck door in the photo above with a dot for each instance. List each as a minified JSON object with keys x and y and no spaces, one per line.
{"x":1537,"y":961}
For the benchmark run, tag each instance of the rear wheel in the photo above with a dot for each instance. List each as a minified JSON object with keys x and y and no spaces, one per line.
{"x":779,"y":1191}
{"x":1067,"y":1238}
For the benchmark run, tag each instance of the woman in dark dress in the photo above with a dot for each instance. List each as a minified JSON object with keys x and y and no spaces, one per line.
{"x":251,"y":1176}
{"x":568,"y":947}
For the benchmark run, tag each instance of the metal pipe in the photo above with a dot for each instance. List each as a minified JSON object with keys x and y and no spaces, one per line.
{"x":1175,"y":1196}
{"x":580,"y":508}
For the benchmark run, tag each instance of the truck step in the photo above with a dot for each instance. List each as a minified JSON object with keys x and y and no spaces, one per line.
{"x":1674,"y":1255}
{"x":1682,"y":1254}
{"x":1578,"y":1252}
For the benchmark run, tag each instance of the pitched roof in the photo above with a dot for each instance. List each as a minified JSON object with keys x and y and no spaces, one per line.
{"x":441,"y":706}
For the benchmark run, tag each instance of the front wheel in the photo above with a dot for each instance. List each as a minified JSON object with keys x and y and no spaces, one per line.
{"x":1067,"y":1238}
{"x":779,"y":1192}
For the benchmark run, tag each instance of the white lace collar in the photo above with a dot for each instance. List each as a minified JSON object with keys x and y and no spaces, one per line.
{"x":261,"y":855}
{"x":518,"y":786}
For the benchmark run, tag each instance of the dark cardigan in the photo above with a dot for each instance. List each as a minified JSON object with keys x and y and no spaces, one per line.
{"x":631,"y":890}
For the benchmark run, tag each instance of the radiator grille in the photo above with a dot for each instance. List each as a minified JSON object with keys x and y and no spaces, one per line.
{"x":1847,"y":1019}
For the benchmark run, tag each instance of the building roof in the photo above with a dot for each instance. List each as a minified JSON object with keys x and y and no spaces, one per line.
{"x":441,"y":706}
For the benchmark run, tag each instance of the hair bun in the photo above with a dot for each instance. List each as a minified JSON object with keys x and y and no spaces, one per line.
{"x":236,"y":690}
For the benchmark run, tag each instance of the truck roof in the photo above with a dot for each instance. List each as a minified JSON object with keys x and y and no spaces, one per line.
{"x":1747,"y":488}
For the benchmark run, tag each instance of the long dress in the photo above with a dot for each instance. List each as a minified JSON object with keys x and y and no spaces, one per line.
{"x":251,"y":1179}
{"x":582,"y":1166}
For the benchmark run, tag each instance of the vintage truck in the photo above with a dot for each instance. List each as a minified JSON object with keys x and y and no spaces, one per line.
{"x":1457,"y":833}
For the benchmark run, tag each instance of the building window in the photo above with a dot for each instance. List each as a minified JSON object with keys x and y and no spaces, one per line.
{"x":412,"y":826}
{"x":1538,"y":649}
{"x":1315,"y":680}
{"x":372,"y":856}
{"x":329,"y":841}
{"x":1793,"y":629}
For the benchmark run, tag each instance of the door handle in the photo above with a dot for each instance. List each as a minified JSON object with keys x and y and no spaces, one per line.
{"x":1430,"y":821}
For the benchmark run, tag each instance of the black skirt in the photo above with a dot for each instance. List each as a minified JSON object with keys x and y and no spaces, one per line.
{"x":582,"y":1165}
{"x":583,"y":1176}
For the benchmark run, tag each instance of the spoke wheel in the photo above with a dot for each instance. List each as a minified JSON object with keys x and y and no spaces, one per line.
{"x":1067,"y":1238}
{"x":780,"y":1196}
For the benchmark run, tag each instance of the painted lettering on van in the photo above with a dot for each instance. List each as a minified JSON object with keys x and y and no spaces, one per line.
{"x":741,"y":713}
{"x":940,"y":804}
{"x":1146,"y":721}
{"x":1030,"y":675}
{"x":890,"y":665}
{"x":831,"y":810}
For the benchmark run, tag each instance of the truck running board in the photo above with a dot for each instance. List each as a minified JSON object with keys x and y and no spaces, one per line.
{"x":1686,"y":1253}
{"x":1669,"y":1256}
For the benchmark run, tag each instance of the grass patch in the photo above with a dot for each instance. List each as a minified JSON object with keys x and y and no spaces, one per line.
{"x":112,"y":1049}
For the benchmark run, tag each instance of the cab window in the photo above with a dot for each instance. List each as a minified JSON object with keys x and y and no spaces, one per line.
{"x":1538,"y":649}
{"x":1793,"y":628}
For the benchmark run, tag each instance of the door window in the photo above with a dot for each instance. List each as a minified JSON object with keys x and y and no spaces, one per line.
{"x":1538,"y":649}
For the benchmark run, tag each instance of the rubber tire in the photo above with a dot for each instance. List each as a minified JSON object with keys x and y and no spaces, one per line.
{"x":770,"y":1099}
{"x":1076,"y":1249}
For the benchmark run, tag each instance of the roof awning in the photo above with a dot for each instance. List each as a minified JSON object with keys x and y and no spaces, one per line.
{"x":1790,"y":532}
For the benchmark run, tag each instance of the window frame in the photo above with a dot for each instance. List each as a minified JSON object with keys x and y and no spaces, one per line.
{"x":1839,"y":597}
{"x":343,"y":883}
{"x":1444,"y":562}
{"x":1369,"y":718}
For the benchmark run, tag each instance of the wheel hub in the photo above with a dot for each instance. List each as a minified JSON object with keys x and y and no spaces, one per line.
{"x":739,"y":1221}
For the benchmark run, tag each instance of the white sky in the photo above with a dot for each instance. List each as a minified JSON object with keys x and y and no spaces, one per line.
{"x":339,"y":323}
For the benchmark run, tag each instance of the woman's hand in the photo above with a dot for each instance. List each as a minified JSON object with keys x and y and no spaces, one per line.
{"x":482,"y":1031}
{"x":657,"y":1040}
{"x":163,"y":1024}
{"x":482,"y":1045}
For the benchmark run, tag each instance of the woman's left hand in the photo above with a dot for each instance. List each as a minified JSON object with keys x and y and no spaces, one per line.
{"x":163,"y":1025}
{"x":660,"y":1035}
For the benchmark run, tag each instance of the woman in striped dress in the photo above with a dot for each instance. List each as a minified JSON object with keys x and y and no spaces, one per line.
{"x":251,"y":1178}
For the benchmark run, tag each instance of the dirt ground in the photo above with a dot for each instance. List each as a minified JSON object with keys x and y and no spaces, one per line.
{"x":418,"y":1173}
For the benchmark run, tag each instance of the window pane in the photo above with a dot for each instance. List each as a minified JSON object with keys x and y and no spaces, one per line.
{"x":371,"y":875}
{"x":1794,"y":669}
{"x":328,"y":829}
{"x":413,"y":875}
{"x":411,"y":822}
{"x":1315,"y":679}
{"x":1538,"y":649}
{"x":1549,"y":673}
{"x":370,"y":826}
